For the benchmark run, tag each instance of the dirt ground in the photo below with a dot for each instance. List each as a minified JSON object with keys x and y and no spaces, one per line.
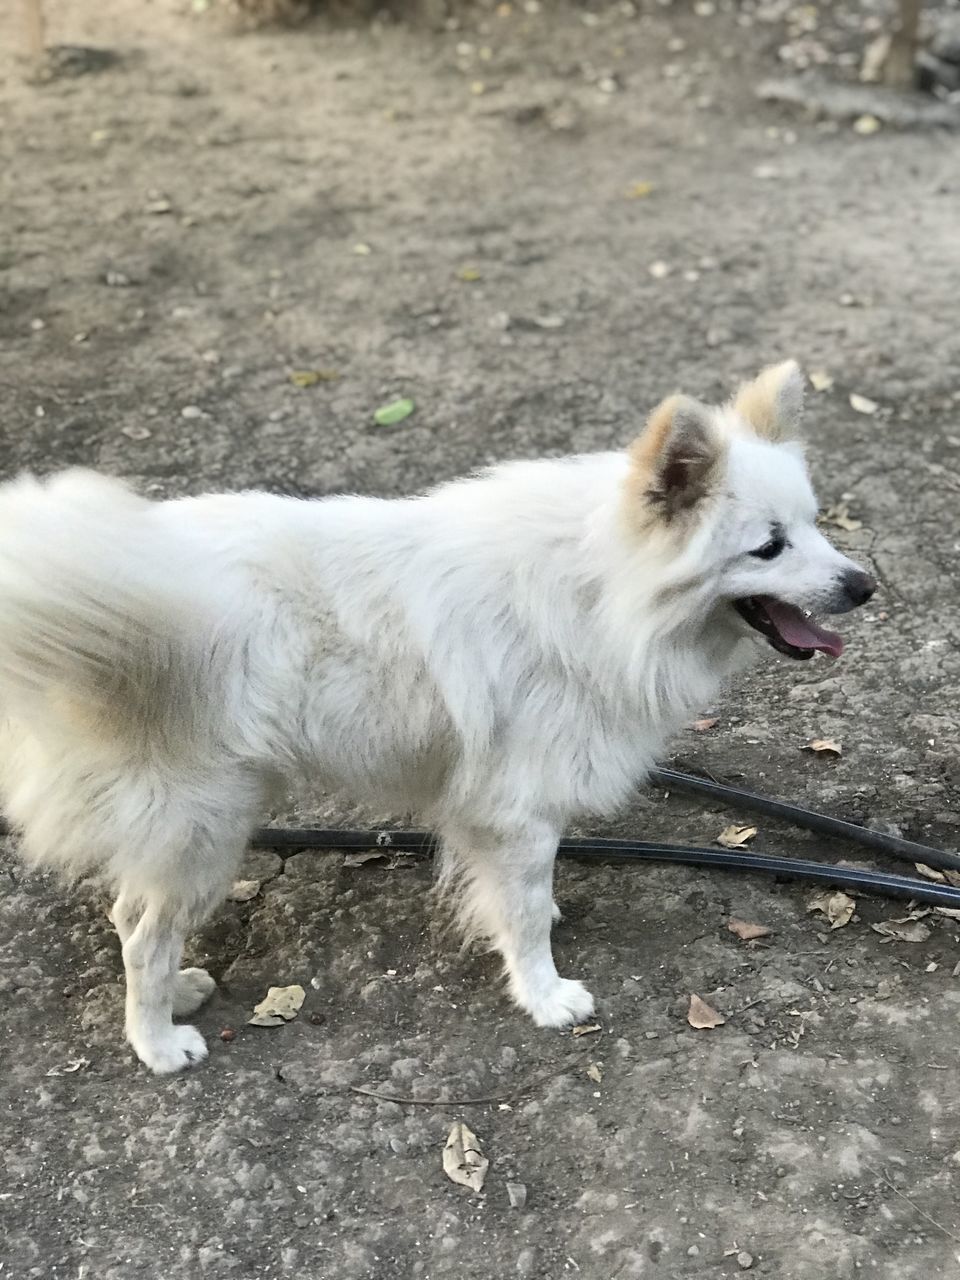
{"x":454,"y":216}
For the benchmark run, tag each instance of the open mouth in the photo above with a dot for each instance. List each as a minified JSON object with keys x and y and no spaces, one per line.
{"x":788,"y":629}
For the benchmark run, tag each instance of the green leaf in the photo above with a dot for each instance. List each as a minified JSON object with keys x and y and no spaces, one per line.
{"x":394,"y":412}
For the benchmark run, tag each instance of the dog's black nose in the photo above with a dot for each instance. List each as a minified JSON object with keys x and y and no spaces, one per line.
{"x":859,"y":586}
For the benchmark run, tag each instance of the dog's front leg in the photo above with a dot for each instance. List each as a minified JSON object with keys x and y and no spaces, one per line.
{"x":506,"y":879}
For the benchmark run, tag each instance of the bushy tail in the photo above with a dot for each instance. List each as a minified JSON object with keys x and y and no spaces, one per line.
{"x":94,"y":600}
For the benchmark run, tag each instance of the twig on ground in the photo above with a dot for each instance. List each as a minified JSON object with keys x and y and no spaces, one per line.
{"x":913,"y":1205}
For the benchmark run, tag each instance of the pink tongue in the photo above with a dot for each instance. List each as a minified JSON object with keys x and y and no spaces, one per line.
{"x":801,"y":632}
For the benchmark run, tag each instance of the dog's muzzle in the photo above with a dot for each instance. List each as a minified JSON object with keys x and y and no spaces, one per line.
{"x":853,"y":590}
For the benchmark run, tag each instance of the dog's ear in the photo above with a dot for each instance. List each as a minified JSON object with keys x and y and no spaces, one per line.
{"x":772,"y":403}
{"x":676,"y":461}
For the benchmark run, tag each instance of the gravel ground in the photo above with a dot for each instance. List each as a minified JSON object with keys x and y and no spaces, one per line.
{"x":464,"y":217}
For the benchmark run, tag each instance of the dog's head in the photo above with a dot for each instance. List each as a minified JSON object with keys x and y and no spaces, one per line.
{"x":725,"y":492}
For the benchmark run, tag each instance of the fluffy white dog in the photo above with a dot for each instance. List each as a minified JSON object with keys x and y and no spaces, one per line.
{"x":502,"y":654}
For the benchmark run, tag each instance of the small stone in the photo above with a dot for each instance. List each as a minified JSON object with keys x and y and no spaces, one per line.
{"x":37,"y":325}
{"x":191,"y":412}
{"x":866,"y":124}
{"x":398,"y":1146}
{"x":718,"y":336}
{"x":659,"y":270}
{"x":517,"y":1194}
{"x":693,"y":1251}
{"x":134,"y":432}
{"x":228,"y":1034}
{"x":744,"y":1260}
{"x":117,"y":280}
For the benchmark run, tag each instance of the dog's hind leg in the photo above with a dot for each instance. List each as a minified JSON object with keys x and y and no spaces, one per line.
{"x":151,"y":958}
{"x":195,"y":844}
{"x":191,"y":987}
{"x":505,"y":883}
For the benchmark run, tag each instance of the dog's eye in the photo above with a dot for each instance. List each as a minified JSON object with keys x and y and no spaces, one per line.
{"x":770,"y":550}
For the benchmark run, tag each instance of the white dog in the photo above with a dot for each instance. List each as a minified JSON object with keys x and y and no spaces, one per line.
{"x":503,"y":654}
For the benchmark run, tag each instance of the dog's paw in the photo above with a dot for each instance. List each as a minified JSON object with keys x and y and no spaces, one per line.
{"x":190,"y":988}
{"x":564,"y":1003}
{"x":182,"y":1047}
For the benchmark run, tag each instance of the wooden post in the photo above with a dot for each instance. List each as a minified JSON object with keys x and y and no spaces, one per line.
{"x":899,"y":68}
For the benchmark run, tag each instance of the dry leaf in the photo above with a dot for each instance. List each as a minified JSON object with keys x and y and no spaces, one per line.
{"x":820,"y":380}
{"x":368,"y":855}
{"x":839,"y":516}
{"x":862,"y":404}
{"x":905,"y":930}
{"x":747,"y":932}
{"x":701,"y":726}
{"x":71,"y":1066}
{"x":701,"y":1016}
{"x":930,"y":873}
{"x":595,"y":1072}
{"x":463,"y":1161}
{"x":310,"y":377}
{"x":279,"y":1005}
{"x":953,"y":913}
{"x":824,"y":746}
{"x":736,"y":837}
{"x":587,"y":1029}
{"x":639,"y":190}
{"x":875,"y":56}
{"x":836,"y":906}
{"x":244,"y":890}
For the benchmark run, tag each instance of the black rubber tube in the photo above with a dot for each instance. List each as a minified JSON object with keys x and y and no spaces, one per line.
{"x":881,"y":882}
{"x":822,"y":823}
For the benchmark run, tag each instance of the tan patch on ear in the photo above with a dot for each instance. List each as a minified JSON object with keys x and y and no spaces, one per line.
{"x":772,"y":402}
{"x":648,"y":446}
{"x":672,"y":463}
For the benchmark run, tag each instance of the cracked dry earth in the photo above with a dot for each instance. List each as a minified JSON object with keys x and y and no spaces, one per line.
{"x":179,"y":232}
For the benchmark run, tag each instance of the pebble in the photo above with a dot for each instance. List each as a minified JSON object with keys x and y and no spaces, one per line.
{"x":517,"y":1194}
{"x":744,"y":1260}
{"x":191,"y":411}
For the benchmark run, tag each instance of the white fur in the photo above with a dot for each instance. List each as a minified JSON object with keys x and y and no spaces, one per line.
{"x":503,"y":654}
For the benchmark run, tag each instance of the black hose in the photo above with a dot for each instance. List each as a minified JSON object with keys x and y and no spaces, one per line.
{"x":807,"y":818}
{"x":881,"y":882}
